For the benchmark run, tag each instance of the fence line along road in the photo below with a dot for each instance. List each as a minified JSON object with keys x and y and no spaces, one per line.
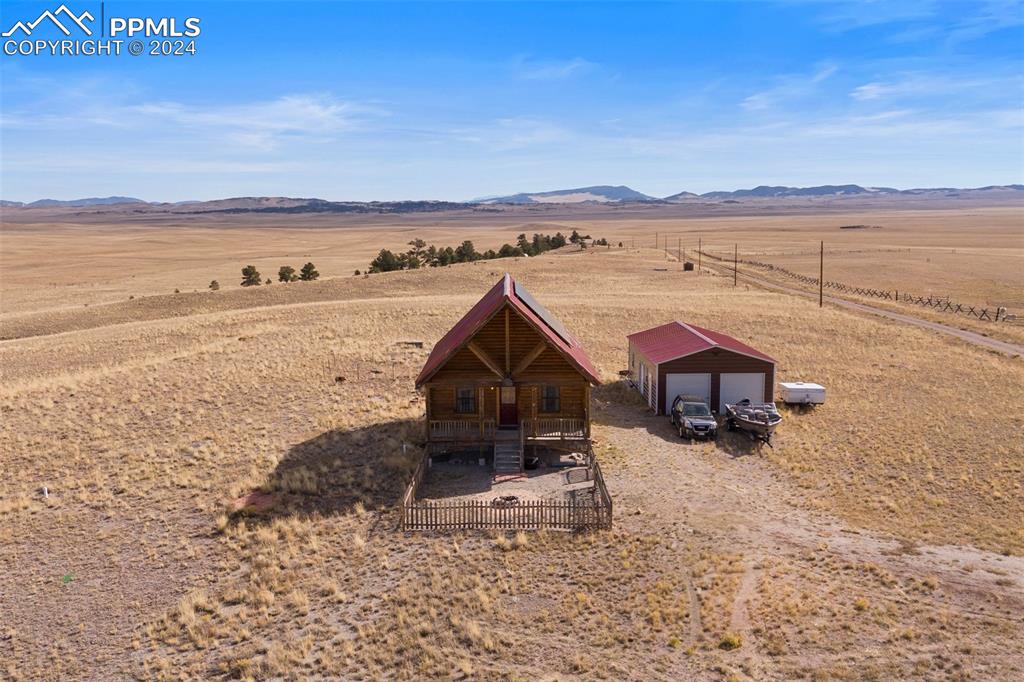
{"x":940,"y":303}
{"x":1005,"y":347}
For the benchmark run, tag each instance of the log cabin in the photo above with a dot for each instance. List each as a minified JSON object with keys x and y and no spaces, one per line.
{"x":508,"y":375}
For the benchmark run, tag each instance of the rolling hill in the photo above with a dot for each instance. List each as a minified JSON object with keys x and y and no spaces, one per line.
{"x":601,"y":194}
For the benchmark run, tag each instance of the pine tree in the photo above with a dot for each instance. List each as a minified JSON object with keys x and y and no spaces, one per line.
{"x":308,"y":273}
{"x":251,"y":276}
{"x":286,"y":274}
{"x":466,"y":253}
{"x":417,"y":247}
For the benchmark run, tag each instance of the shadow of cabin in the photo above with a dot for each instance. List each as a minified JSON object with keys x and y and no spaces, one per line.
{"x":336,"y":470}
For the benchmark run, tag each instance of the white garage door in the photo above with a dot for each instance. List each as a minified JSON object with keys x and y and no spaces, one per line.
{"x":686,"y":384}
{"x":736,"y":387}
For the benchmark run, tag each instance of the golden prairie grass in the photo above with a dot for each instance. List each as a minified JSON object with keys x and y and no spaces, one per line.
{"x":142,"y":432}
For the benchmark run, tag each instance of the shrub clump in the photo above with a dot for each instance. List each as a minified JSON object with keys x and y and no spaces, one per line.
{"x":730,"y":641}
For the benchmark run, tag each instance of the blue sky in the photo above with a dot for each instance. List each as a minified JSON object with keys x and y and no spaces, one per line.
{"x":458,"y":100}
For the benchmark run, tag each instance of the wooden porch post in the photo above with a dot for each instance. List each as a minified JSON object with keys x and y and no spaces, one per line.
{"x":426,"y":422}
{"x":480,"y":410}
{"x":533,"y":408}
{"x":586,"y":410}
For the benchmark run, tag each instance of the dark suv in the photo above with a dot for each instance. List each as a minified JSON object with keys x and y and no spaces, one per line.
{"x":692,"y":418}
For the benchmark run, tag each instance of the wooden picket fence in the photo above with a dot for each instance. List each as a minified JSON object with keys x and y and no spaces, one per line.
{"x":942,"y":304}
{"x":590,"y":510}
{"x":574,"y":515}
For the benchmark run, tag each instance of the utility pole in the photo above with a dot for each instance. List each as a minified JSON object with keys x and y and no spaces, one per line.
{"x":735,"y":261}
{"x":698,"y":255}
{"x":656,"y":242}
{"x":679,"y":251}
{"x":821,"y":276}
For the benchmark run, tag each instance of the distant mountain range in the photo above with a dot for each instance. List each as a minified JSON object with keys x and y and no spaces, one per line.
{"x":623,"y":194}
{"x":597,"y":194}
{"x":832,"y":190}
{"x":88,"y":201}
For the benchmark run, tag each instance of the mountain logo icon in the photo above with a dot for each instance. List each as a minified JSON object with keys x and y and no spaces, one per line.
{"x":69,"y":16}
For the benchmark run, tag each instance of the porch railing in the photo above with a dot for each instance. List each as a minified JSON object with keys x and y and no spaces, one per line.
{"x":460,"y":429}
{"x":555,"y":428}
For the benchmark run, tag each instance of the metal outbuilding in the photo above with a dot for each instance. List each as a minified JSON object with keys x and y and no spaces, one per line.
{"x":679,"y":358}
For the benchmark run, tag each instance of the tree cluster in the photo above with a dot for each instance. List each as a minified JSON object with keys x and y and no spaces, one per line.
{"x":251,"y":276}
{"x":420,"y":255}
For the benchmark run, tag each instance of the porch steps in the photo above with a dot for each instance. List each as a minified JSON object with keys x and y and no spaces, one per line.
{"x":508,"y":452}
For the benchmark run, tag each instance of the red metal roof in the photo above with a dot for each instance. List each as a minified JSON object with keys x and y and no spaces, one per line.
{"x":505,"y":292}
{"x":678,"y":339}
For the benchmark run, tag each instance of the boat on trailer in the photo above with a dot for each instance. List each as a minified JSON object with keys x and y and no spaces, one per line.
{"x":758,"y":420}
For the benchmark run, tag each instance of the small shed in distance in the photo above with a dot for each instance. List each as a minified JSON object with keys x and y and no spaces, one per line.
{"x":679,"y":358}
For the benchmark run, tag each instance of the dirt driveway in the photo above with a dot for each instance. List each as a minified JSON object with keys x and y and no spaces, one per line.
{"x":789,"y":557}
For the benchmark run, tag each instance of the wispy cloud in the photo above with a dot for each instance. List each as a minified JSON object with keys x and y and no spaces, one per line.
{"x":990,"y":16}
{"x":929,"y":85}
{"x":923,"y":19}
{"x":847,"y":15}
{"x":521,"y":132}
{"x":264,"y":124}
{"x":789,"y":88}
{"x":257,"y":124}
{"x":530,"y":69}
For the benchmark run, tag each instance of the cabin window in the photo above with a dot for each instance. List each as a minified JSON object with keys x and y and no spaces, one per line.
{"x":465,"y":400}
{"x":551,"y":399}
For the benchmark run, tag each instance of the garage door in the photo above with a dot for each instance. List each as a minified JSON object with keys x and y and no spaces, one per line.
{"x":736,"y":387}
{"x":686,"y":384}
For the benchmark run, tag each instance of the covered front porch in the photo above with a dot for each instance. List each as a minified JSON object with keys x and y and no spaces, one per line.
{"x":475,"y":430}
{"x":506,"y":420}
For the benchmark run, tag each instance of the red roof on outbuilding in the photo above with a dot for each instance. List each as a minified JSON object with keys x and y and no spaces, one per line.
{"x":507,"y":290}
{"x":678,"y":339}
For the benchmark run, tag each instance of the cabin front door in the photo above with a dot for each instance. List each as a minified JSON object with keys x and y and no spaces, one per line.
{"x":508,"y":415}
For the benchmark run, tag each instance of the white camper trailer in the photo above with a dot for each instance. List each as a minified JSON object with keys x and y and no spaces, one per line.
{"x":801,"y":393}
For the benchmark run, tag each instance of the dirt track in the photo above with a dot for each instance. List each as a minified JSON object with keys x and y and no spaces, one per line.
{"x":706,"y":495}
{"x":1005,"y":347}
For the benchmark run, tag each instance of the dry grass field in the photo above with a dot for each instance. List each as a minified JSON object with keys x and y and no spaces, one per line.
{"x":882,"y":537}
